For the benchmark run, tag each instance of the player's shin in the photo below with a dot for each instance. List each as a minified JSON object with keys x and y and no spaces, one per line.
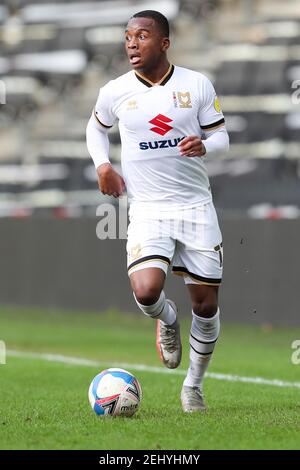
{"x":168,"y":342}
{"x":160,"y":310}
{"x":203,"y":336}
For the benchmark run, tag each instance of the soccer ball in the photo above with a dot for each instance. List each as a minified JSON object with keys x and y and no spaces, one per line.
{"x":115,"y":392}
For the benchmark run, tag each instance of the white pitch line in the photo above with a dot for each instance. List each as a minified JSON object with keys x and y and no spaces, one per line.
{"x":78,"y":361}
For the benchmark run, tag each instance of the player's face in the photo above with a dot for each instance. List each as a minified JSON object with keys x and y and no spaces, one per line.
{"x":144,"y":43}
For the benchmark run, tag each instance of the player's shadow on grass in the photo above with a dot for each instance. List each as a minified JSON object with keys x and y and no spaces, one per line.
{"x":168,"y":414}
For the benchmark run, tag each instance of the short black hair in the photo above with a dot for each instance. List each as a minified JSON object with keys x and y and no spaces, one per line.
{"x":159,"y":19}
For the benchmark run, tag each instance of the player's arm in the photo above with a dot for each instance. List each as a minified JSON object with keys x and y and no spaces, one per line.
{"x":216,"y":141}
{"x":212,"y":124}
{"x":109,"y":181}
{"x":103,"y":117}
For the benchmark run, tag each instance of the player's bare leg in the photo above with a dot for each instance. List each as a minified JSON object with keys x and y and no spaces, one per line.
{"x":203,"y":336}
{"x":147,"y":285}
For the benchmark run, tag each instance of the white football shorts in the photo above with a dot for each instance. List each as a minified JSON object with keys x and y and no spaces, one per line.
{"x":187,"y":239}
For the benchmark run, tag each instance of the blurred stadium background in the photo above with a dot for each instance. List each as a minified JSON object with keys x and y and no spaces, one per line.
{"x":54,"y":57}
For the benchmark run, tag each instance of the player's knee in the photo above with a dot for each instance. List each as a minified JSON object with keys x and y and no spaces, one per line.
{"x":206,"y":309}
{"x":146,"y":295}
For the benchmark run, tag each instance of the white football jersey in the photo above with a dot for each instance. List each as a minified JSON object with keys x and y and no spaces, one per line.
{"x":153,"y":119}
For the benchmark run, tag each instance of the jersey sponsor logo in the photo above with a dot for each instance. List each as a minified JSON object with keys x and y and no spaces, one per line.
{"x":160,"y":144}
{"x":183,"y":99}
{"x":160,"y":122}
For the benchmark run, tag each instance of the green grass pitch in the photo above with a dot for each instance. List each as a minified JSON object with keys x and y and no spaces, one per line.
{"x":44,"y":405}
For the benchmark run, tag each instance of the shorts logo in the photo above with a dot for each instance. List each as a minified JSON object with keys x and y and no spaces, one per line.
{"x":184,"y":99}
{"x":160,"y":123}
{"x":135,"y":252}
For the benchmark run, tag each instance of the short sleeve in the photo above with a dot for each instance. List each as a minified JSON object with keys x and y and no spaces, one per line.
{"x":210,"y":115}
{"x":103,"y":110}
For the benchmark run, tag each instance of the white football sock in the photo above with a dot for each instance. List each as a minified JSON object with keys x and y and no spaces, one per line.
{"x":203,"y":336}
{"x":161,"y":310}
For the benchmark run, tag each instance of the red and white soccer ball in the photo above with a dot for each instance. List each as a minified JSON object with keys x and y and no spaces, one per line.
{"x":115,"y":392}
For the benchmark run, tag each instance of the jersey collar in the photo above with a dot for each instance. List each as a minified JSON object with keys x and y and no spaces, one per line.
{"x":161,"y":82}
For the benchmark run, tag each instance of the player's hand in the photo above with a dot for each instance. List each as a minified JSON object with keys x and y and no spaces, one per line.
{"x":191,"y":146}
{"x":109,"y":181}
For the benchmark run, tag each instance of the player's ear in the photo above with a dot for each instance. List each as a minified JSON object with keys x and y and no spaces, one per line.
{"x":165,"y":44}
